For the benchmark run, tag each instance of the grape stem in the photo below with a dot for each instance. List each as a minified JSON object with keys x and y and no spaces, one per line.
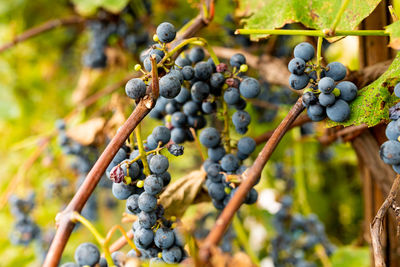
{"x":250,"y":177}
{"x":319,"y":52}
{"x":198,"y":146}
{"x":142,"y":152}
{"x":124,"y":234}
{"x":46,"y":26}
{"x":195,"y":40}
{"x":326,"y":33}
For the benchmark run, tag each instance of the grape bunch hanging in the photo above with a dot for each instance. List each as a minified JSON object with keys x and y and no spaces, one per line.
{"x":326,"y":96}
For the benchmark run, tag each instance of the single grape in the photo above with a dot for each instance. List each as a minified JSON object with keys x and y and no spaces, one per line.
{"x":191,"y":108}
{"x":336,"y":71}
{"x":249,"y":88}
{"x":178,"y":135}
{"x":161,"y":134}
{"x":158,"y":164}
{"x":326,"y":99}
{"x":196,"y":121}
{"x":241,"y":104}
{"x":214,"y":170}
{"x":176,"y":150}
{"x":166,"y":32}
{"x":143,"y":237}
{"x":200,"y":91}
{"x":182,"y":62}
{"x":172,"y":107}
{"x":196,"y":54}
{"x":147,"y":219}
{"x":164,"y":238}
{"x":118,"y":258}
{"x":132,"y":205}
{"x":209,"y":137}
{"x":230,"y":163}
{"x":87,"y":254}
{"x":393,"y":130}
{"x":339,"y":111}
{"x":153,"y":184}
{"x":216,"y":191}
{"x":172,"y":255}
{"x":297,"y":66}
{"x":237,"y":60}
{"x":169,"y":86}
{"x":217,"y":153}
{"x":246,"y":145}
{"x":203,"y":71}
{"x":208,"y":107}
{"x":183,"y":96}
{"x":309,"y":99}
{"x":348,"y":90}
{"x":251,"y":197}
{"x":178,"y":119}
{"x":122,"y":191}
{"x":151,"y":142}
{"x":231,"y":96}
{"x":135,"y":88}
{"x":390,"y":152}
{"x":166,"y":177}
{"x":304,"y":51}
{"x":147,"y":202}
{"x":188,"y":73}
{"x":241,"y":119}
{"x":326,"y":85}
{"x":217,"y":80}
{"x":298,"y":82}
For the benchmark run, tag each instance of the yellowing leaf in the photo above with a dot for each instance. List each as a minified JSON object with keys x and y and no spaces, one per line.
{"x":86,"y":133}
{"x":178,"y":196}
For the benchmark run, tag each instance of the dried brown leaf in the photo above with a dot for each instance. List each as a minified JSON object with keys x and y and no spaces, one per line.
{"x":86,"y":133}
{"x":178,"y":196}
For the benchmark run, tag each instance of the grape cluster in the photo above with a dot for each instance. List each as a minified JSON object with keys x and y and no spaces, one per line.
{"x":222,"y":169}
{"x":154,"y":235}
{"x":390,"y":150}
{"x":296,"y":236}
{"x":326,"y":96}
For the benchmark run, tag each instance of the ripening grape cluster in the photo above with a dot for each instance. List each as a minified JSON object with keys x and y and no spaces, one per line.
{"x":108,"y":26}
{"x":390,"y":150}
{"x":325,"y":96}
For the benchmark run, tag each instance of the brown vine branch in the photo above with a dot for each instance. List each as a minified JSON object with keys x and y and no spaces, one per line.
{"x":347,"y":134}
{"x":65,"y":226}
{"x":250,"y":178}
{"x":377,"y":224}
{"x":302,"y":119}
{"x":46,"y":26}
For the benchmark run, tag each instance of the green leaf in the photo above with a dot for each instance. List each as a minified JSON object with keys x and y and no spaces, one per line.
{"x":373,"y":101}
{"x":394,"y":31}
{"x":315,"y":14}
{"x":351,"y":256}
{"x":89,"y":7}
